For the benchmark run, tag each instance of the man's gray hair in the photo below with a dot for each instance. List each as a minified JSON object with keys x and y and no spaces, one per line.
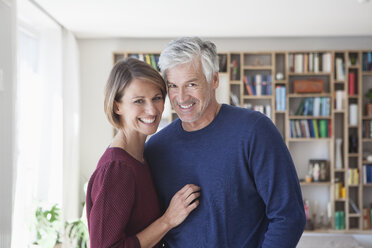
{"x":188,"y":49}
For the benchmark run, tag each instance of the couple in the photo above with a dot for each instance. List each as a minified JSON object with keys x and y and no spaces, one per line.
{"x":222,"y":174}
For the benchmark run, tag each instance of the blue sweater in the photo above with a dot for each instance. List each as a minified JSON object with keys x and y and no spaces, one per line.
{"x":250,"y":191}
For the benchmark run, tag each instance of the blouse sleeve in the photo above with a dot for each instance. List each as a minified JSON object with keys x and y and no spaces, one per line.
{"x":112,"y":192}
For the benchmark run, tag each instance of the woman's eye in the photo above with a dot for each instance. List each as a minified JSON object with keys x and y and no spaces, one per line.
{"x":171,"y":86}
{"x":139,"y":101}
{"x":157,"y":98}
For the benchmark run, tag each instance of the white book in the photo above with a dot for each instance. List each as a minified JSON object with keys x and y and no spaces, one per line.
{"x":258,"y":85}
{"x":316,"y":62}
{"x":316,"y":106}
{"x":311,"y":62}
{"x":268,"y":110}
{"x":339,"y":99}
{"x":306,"y":126}
{"x":299,"y":63}
{"x":326,"y":62}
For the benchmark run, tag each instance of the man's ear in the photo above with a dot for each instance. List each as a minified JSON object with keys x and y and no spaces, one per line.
{"x":116,"y":108}
{"x":215,"y":80}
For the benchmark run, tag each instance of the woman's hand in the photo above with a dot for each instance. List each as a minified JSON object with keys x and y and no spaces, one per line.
{"x":182,"y":203}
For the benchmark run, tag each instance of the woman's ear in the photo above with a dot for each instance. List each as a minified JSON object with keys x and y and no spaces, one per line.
{"x":117,"y":109}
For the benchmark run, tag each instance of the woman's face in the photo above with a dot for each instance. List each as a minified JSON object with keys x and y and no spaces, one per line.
{"x":141,"y":107}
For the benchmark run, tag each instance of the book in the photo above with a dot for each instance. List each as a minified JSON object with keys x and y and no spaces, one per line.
{"x":351,"y":83}
{"x":248,"y":86}
{"x":354,"y":206}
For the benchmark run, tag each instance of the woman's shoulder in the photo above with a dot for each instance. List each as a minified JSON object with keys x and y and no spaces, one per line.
{"x":115,"y":158}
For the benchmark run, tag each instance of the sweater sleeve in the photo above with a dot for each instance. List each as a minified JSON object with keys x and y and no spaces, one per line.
{"x":277,"y":184}
{"x":112,"y":193}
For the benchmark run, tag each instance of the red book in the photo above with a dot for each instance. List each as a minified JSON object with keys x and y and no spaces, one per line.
{"x":351,"y":83}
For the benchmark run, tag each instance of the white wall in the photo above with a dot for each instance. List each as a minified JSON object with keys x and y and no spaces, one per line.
{"x":7,"y":96}
{"x":96,"y":63}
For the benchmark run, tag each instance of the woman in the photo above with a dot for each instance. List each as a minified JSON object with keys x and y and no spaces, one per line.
{"x":122,"y":204}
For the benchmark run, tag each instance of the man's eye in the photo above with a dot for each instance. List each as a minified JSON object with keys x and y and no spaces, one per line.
{"x":191,"y":84}
{"x":139,"y":101}
{"x":171,"y":86}
{"x":157,"y":98}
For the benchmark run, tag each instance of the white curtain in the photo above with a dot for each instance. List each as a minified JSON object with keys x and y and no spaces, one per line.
{"x":71,"y":119}
{"x":47,"y":121}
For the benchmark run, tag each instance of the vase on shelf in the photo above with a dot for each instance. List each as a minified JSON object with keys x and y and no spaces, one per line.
{"x":338,"y":161}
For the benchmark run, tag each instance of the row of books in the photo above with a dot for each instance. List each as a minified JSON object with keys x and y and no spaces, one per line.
{"x":280,"y":97}
{"x":352,"y":176}
{"x":367,"y":218}
{"x":367,"y":61}
{"x":340,"y":69}
{"x":340,"y":191}
{"x":265,"y":109}
{"x":367,"y":173}
{"x":310,"y":128}
{"x":367,"y":129}
{"x":339,"y":220}
{"x":151,"y":59}
{"x":310,"y":62}
{"x":315,"y":106}
{"x":258,"y":85}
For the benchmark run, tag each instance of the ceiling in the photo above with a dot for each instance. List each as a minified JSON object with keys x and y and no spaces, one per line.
{"x":207,"y":18}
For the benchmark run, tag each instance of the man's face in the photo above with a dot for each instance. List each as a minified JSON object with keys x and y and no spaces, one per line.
{"x":190,"y":93}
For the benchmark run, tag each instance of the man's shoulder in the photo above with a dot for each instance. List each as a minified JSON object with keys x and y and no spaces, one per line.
{"x":239,"y":114}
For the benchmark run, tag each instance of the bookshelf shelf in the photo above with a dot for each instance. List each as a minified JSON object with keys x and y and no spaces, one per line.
{"x":315,"y":184}
{"x":257,"y":97}
{"x":337,"y":111}
{"x":295,"y":117}
{"x":280,"y":81}
{"x":367,"y":184}
{"x":308,"y":139}
{"x":367,"y":140}
{"x":235,"y":82}
{"x":367,"y":117}
{"x":257,"y":67}
{"x":354,"y":215}
{"x":340,"y":200}
{"x":309,"y":74}
{"x":369,"y":73}
{"x":308,"y":95}
{"x":353,"y":154}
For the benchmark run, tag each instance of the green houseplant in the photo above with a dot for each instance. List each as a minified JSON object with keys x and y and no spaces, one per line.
{"x":47,"y":227}
{"x":77,"y":231}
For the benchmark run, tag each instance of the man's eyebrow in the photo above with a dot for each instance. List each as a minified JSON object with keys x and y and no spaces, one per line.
{"x":188,"y":81}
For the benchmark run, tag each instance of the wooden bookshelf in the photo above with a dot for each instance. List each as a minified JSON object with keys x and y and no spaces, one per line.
{"x":280,"y":102}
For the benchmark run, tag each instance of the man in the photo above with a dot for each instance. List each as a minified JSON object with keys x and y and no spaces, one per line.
{"x":250,"y":194}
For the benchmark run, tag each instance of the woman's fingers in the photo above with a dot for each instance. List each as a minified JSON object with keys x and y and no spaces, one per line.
{"x":192,"y":198}
{"x":193,"y":205}
{"x":188,"y":190}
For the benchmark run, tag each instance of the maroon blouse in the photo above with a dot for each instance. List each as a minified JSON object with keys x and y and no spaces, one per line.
{"x":121,"y":200}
